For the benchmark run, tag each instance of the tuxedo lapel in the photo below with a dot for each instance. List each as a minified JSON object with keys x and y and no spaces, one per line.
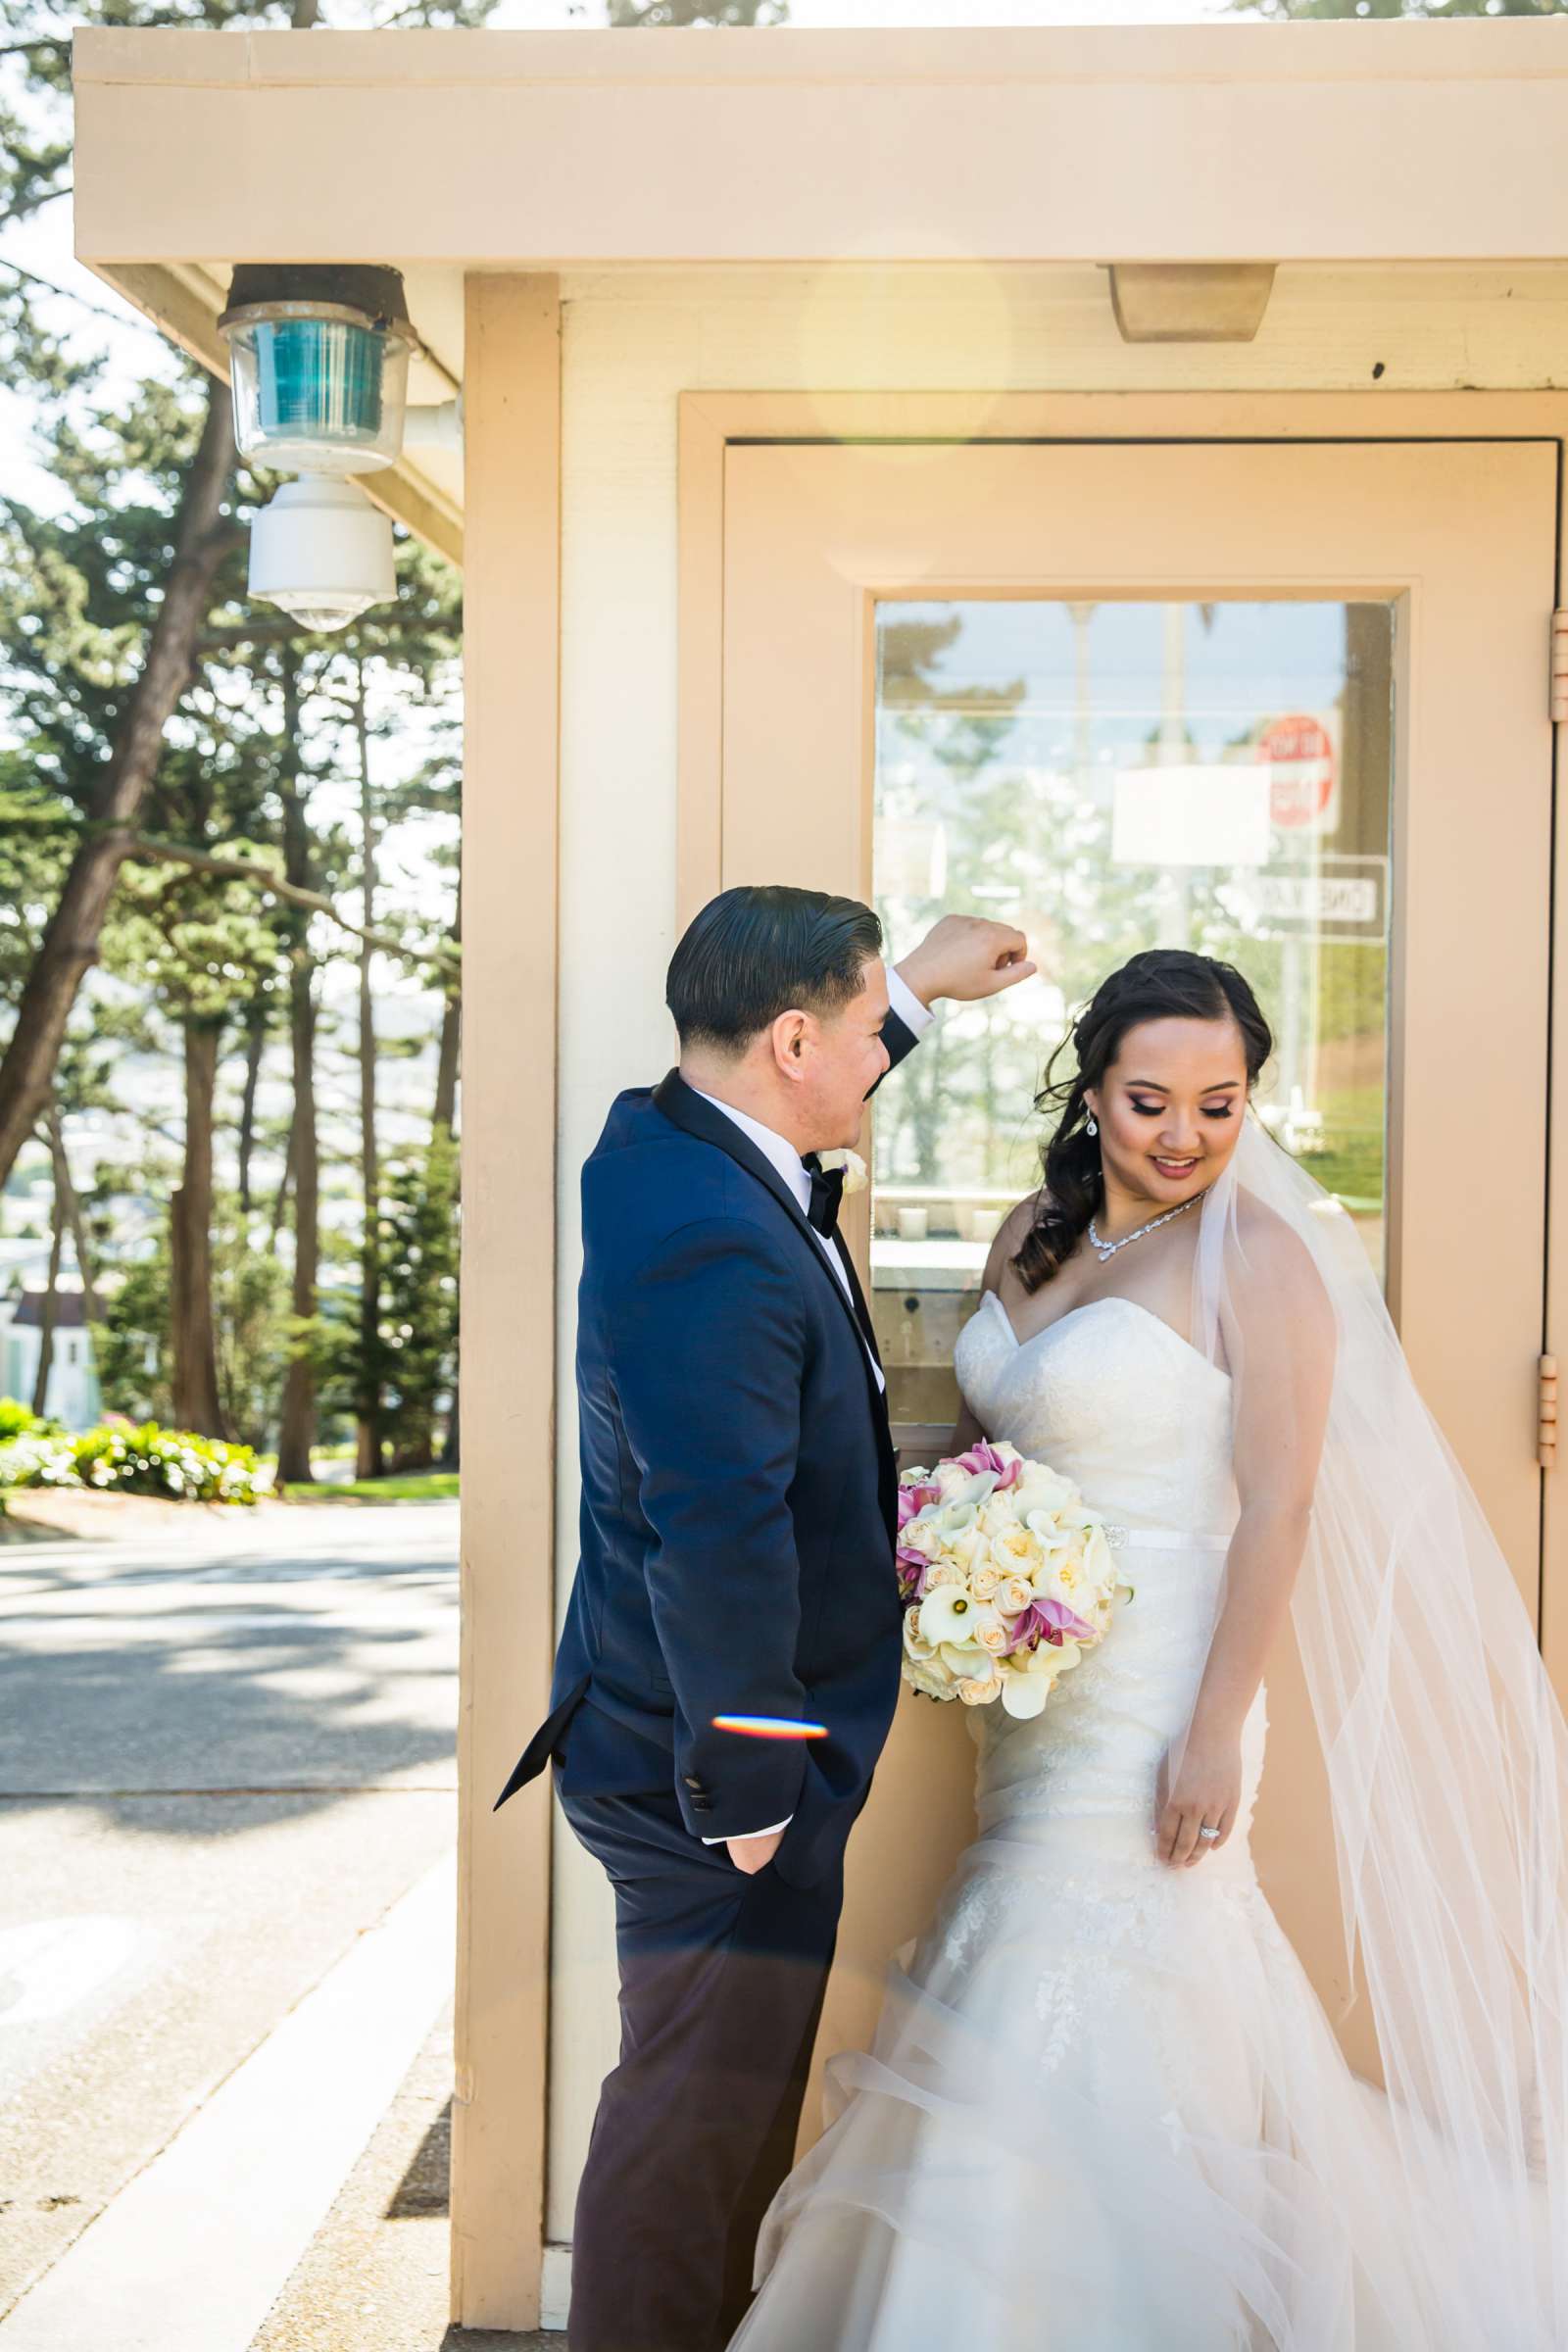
{"x":862,"y":1313}
{"x":685,"y":1109}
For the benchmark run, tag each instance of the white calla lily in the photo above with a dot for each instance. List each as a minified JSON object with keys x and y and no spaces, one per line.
{"x":965,"y":1662}
{"x":1025,"y":1694}
{"x":948,"y":1615}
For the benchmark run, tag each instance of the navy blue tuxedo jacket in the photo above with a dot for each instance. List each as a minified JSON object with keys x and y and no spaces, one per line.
{"x":739,"y":1490}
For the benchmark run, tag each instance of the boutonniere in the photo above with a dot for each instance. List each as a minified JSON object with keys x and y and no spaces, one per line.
{"x":856,"y":1178}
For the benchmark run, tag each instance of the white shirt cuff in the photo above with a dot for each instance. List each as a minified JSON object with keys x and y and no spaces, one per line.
{"x":767,"y":1833}
{"x":916,"y":1016}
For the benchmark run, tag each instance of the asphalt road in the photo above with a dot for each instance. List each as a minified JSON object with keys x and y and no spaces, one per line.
{"x":222,"y":1759}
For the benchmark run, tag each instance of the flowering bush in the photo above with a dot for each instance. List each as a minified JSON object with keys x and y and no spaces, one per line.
{"x":1007,"y":1575}
{"x":130,"y":1459}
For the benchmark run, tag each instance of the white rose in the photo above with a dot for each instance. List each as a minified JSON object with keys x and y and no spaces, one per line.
{"x":977,"y":1693}
{"x":929,"y":1675}
{"x":1043,"y":1489}
{"x":989,"y":1634}
{"x":1018,"y":1550}
{"x":998,"y":1513}
{"x":856,"y":1179}
{"x":915,"y":1645}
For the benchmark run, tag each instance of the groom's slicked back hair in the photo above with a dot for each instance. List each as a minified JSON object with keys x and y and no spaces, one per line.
{"x":763,"y":950}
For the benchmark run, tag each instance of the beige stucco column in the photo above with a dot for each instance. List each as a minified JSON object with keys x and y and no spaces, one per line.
{"x":509,"y":826}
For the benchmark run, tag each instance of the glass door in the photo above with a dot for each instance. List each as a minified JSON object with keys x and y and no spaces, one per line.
{"x":1112,"y":775}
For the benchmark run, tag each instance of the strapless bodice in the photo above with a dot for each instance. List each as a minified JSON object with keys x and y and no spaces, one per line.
{"x":1118,"y":1401}
{"x":1115,"y":1399}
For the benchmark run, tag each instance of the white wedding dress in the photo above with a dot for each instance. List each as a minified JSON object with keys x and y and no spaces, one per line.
{"x":1105,"y":2111}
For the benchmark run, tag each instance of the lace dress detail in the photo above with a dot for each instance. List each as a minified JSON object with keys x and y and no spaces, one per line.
{"x":1104,"y":2111}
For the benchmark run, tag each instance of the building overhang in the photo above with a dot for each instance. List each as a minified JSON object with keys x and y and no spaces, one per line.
{"x":443,"y":152}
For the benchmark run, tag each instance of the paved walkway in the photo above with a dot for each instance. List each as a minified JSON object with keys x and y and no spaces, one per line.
{"x":226,"y":1931}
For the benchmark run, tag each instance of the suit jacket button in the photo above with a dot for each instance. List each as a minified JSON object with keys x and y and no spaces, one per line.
{"x":701,"y":1804}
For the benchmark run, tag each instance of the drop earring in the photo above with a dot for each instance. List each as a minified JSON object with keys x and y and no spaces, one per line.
{"x":1093,"y":1128}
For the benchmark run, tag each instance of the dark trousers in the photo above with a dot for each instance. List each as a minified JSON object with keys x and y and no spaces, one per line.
{"x":721,"y":1983}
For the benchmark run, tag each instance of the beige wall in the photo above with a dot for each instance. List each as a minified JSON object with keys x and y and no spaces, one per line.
{"x":632,"y":343}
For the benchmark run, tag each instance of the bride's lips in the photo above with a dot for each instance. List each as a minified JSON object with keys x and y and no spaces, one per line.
{"x":1175,"y":1169}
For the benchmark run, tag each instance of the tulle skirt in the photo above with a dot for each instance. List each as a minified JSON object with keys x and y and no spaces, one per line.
{"x":1104,"y":2112}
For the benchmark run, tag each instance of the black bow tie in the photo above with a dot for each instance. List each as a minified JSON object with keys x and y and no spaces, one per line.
{"x":827,"y":1191}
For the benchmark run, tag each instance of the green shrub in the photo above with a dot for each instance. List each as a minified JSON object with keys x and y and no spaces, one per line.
{"x":18,"y":1420}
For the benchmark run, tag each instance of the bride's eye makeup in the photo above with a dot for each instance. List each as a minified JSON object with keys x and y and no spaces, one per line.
{"x":1152,"y":1111}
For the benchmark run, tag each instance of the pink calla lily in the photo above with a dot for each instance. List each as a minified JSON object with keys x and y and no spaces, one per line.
{"x":913,"y":1569}
{"x":983,"y":1457}
{"x":1048,"y":1621}
{"x":913,"y":1499}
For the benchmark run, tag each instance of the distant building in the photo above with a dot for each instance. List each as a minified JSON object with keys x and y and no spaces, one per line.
{"x":73,"y":1396}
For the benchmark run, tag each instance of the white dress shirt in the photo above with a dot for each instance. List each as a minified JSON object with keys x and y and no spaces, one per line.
{"x":780,"y":1153}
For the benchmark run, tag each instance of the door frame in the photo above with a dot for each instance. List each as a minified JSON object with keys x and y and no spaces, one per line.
{"x":710,"y":421}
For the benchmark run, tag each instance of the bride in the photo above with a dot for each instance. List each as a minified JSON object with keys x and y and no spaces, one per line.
{"x":1104,"y":2111}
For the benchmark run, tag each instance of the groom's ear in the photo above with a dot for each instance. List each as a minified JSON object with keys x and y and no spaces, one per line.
{"x":791,"y":1034}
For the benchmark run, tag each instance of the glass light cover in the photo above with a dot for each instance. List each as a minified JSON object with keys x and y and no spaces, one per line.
{"x":317,"y":393}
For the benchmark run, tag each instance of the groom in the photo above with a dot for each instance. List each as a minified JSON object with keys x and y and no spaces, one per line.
{"x":737,"y":1502}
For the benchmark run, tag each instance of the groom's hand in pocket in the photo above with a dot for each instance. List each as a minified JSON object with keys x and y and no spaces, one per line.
{"x":966,"y":958}
{"x":752,"y":1854}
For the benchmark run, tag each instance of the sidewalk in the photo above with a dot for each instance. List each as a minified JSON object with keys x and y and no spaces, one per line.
{"x":227,"y":1903}
{"x":376,"y":2277}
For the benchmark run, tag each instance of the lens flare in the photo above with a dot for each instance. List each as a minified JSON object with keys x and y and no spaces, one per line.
{"x":769,"y":1727}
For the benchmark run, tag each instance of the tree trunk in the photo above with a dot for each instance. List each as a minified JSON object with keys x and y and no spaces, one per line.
{"x":297,"y":1422}
{"x":284,"y":1183}
{"x":46,"y":1333}
{"x":69,"y":944}
{"x":369,"y":1462}
{"x":255,"y":1041}
{"x":193,"y":1346}
{"x":73,"y":1216}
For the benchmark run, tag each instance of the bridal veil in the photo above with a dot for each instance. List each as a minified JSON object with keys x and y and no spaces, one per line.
{"x":1447,"y":1764}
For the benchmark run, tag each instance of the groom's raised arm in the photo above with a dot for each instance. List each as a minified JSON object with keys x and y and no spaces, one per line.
{"x":708,"y":1351}
{"x":964,"y":956}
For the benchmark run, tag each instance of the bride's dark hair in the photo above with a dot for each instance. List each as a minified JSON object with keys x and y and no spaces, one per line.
{"x":1163,"y":984}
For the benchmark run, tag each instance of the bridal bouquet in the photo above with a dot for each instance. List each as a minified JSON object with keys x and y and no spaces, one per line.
{"x":1007,"y":1575}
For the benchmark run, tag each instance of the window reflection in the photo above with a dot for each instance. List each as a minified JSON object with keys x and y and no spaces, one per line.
{"x":1113,"y":776}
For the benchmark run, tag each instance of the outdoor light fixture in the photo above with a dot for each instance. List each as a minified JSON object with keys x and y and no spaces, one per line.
{"x":321,"y":552}
{"x":319,"y":361}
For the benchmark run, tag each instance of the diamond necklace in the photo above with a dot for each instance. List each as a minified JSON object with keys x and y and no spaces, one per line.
{"x":1108,"y":1250}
